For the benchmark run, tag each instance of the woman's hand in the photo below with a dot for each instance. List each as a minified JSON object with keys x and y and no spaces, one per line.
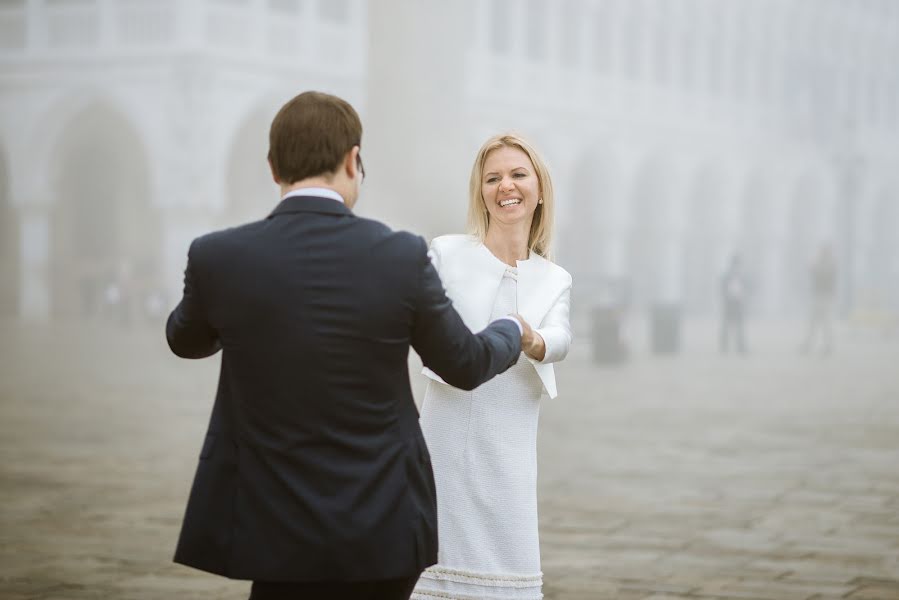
{"x":532,"y":343}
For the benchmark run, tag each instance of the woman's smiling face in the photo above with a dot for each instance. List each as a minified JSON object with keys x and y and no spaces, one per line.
{"x":510,"y":188}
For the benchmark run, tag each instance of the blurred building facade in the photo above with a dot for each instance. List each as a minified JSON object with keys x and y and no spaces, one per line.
{"x":130,"y":127}
{"x":678,"y":132}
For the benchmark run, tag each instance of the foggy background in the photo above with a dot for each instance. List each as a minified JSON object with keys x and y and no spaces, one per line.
{"x":678,"y":133}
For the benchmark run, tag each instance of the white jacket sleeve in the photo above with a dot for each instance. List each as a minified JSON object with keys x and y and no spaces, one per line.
{"x":556,"y":329}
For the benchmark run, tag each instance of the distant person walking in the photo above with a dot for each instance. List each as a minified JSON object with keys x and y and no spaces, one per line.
{"x":733,"y":306}
{"x":823,"y":279}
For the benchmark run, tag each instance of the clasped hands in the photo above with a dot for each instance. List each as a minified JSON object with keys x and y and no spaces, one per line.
{"x":532,"y":343}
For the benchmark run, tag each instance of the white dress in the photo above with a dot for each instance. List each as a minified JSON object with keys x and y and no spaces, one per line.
{"x":483,"y":447}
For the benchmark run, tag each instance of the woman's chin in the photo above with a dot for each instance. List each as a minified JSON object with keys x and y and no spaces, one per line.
{"x":514,"y":218}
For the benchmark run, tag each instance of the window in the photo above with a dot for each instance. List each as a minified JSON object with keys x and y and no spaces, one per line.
{"x":892,"y":102}
{"x":570,"y":33}
{"x":603,"y":42}
{"x":661,"y":54}
{"x":500,"y":11}
{"x":12,"y":30}
{"x":875,"y":101}
{"x":633,"y":47}
{"x":714,"y":63}
{"x":688,"y":61}
{"x":146,"y":22}
{"x":536,"y":28}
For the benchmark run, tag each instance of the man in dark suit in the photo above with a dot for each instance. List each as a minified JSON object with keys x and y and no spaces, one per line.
{"x":314,"y":480}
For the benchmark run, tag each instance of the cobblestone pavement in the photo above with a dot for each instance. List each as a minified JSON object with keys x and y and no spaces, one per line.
{"x":769,"y":477}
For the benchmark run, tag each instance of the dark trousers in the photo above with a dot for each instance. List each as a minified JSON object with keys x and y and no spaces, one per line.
{"x":388,"y":589}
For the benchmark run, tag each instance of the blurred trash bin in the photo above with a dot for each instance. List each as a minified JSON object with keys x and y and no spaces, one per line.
{"x":665,"y":328}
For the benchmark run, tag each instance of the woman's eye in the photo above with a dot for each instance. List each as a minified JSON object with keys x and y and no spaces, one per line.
{"x":492,"y":179}
{"x":519,"y":175}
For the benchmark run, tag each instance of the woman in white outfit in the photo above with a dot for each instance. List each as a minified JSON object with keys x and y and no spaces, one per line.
{"x":483,"y":443}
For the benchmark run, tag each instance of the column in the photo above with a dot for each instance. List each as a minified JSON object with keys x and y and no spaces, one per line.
{"x":34,"y":304}
{"x":671,"y":277}
{"x":416,"y":154}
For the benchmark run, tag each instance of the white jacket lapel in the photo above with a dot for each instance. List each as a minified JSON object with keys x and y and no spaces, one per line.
{"x":539,"y":285}
{"x":471,"y":278}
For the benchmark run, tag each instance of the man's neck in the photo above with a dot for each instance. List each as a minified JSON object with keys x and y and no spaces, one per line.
{"x":311,"y":182}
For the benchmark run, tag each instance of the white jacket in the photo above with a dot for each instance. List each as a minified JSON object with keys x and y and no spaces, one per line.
{"x":471,"y":275}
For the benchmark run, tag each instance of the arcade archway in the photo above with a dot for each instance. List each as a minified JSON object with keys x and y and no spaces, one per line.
{"x":104,"y":258}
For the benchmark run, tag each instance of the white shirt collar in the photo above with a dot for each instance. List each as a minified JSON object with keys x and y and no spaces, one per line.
{"x":315,"y":191}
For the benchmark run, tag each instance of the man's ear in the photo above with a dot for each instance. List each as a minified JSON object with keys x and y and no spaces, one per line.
{"x":349,"y":163}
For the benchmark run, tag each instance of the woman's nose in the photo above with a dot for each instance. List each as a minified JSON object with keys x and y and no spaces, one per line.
{"x":505,"y":184}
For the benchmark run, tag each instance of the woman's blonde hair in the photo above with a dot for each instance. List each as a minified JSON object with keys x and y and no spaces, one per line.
{"x":540,"y":236}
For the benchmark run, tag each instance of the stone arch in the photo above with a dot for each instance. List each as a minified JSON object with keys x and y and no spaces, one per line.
{"x":250,"y":193}
{"x":705,"y":240}
{"x":56,"y":121}
{"x":10,"y":255}
{"x":104,"y":231}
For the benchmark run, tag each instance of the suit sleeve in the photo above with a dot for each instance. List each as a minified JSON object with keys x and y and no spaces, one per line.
{"x":445,"y":344}
{"x":434,"y":256}
{"x":188,"y":330}
{"x":556,"y":329}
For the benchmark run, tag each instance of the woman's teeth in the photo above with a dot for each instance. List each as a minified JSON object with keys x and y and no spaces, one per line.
{"x":510,"y":202}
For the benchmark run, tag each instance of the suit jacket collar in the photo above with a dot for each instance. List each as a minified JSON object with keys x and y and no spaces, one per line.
{"x":313,"y":204}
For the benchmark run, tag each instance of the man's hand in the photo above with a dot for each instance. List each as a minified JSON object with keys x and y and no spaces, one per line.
{"x":532,"y":343}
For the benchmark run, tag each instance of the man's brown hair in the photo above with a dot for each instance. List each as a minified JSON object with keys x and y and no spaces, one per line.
{"x":310,"y":135}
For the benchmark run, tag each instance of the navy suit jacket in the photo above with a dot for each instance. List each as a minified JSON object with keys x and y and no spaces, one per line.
{"x":314,"y":467}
